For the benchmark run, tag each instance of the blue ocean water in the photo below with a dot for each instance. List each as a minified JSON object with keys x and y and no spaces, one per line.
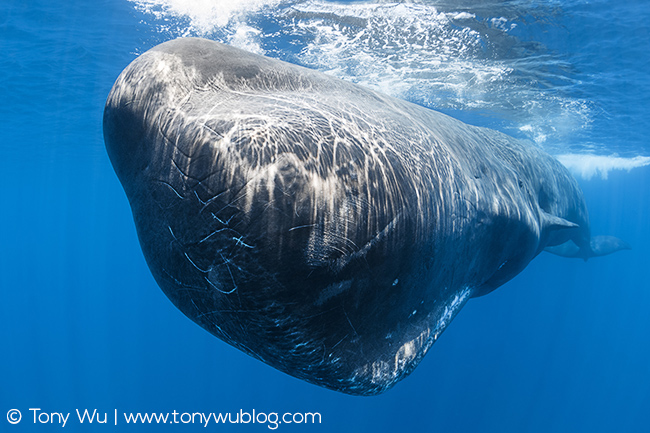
{"x":562,"y":348}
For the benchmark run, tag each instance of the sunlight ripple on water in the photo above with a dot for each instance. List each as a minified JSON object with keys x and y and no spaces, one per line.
{"x":514,"y":66}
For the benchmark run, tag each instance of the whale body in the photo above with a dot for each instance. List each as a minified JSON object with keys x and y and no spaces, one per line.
{"x":328,"y":230}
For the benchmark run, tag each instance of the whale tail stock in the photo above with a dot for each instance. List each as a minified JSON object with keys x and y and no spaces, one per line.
{"x":567,"y":239}
{"x":598,"y":246}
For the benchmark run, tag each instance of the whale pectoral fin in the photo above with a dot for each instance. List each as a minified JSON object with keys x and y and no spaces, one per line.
{"x":553,"y":222}
{"x":599,"y":246}
{"x":556,"y":230}
{"x":603,"y":245}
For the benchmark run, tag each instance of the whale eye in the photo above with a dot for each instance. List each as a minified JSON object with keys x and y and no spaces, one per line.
{"x":521,"y":184}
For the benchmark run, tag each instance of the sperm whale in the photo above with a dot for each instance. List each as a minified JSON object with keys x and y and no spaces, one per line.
{"x":329,"y":230}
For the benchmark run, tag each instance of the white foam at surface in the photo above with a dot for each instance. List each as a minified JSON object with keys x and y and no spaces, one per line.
{"x":442,"y":60}
{"x":409,"y":50}
{"x":453,"y":60}
{"x":463,"y":16}
{"x":588,"y":166}
{"x":403,"y":49}
{"x":203,"y":17}
{"x":247,"y":38}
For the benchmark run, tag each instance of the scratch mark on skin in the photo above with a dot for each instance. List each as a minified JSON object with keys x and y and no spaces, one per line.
{"x":194,"y":264}
{"x":221,"y":221}
{"x":302,"y":227}
{"x":209,"y":313}
{"x":179,"y":169}
{"x":232,"y":203}
{"x":379,"y":237}
{"x":228,"y":261}
{"x":238,"y":241}
{"x":174,"y":238}
{"x":351,"y":325}
{"x":212,"y":234}
{"x":232,"y":278}
{"x":170,"y":187}
{"x":341,"y":340}
{"x":218,"y":289}
{"x":174,"y":144}
{"x":196,"y":194}
{"x":190,"y":288}
{"x":183,"y":286}
{"x":188,"y":176}
{"x":203,"y":125}
{"x":202,"y":315}
{"x":208,"y":202}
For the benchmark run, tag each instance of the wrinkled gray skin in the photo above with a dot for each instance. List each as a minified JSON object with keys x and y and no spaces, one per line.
{"x":330,"y":231}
